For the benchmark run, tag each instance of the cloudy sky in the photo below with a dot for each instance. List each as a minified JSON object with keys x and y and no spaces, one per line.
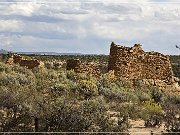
{"x":82,"y":26}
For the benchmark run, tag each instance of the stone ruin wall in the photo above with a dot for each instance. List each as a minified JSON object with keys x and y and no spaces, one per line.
{"x":135,"y":64}
{"x":79,"y":67}
{"x":17,"y":59}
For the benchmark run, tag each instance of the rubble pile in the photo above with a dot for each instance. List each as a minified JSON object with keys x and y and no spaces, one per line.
{"x":135,"y":64}
{"x":17,"y":59}
{"x":10,"y":61}
{"x":110,"y":75}
{"x":30,"y":64}
{"x":79,"y":67}
{"x":72,"y":64}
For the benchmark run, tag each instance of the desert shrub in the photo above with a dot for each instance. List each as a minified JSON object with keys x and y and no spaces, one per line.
{"x":87,"y":88}
{"x":172,"y":119}
{"x":48,"y":65}
{"x":60,"y":88}
{"x":57,"y":65}
{"x":3,"y":57}
{"x":17,"y":81}
{"x":64,"y":87}
{"x":142,"y":96}
{"x":121,"y":124}
{"x":22,"y":70}
{"x":62,"y":75}
{"x":103,"y":82}
{"x":14,"y":79}
{"x":128,"y":109}
{"x":152,"y":113}
{"x":121,"y":82}
{"x":173,"y":99}
{"x":52,"y":75}
{"x":19,"y":69}
{"x":118,"y":93}
{"x":4,"y":68}
{"x":53,"y":65}
{"x":172,"y":124}
{"x":67,"y":116}
{"x":71,"y":75}
{"x":157,"y":95}
{"x":172,"y":114}
{"x":114,"y":90}
{"x":14,"y":115}
{"x":84,"y":76}
{"x":103,"y":68}
{"x":63,"y":100}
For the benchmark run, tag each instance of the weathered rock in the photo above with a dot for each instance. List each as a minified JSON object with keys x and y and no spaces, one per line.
{"x":10,"y":61}
{"x":110,"y":75}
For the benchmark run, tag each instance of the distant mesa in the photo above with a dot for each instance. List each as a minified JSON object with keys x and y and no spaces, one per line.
{"x":48,"y":53}
{"x":56,"y":53}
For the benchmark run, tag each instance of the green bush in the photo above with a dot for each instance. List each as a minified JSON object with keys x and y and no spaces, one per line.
{"x":152,"y":113}
{"x":118,"y":93}
{"x":4,"y":68}
{"x":121,"y":82}
{"x":89,"y":115}
{"x":49,"y":99}
{"x":14,"y":114}
{"x":157,"y":95}
{"x":142,"y":96}
{"x":172,"y":117}
{"x":71,"y":75}
{"x":87,"y":88}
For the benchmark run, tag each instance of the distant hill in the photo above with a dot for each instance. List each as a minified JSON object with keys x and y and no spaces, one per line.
{"x":52,"y":53}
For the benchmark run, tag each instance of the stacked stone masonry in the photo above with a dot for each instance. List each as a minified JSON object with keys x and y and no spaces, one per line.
{"x":135,"y":64}
{"x":79,"y":67}
{"x":17,"y":59}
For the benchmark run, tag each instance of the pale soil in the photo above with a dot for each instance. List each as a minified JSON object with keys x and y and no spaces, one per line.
{"x":138,"y":128}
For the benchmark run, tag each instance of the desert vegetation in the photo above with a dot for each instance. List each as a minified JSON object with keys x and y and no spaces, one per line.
{"x":50,"y":98}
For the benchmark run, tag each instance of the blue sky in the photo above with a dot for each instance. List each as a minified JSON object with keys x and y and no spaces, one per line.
{"x":83,"y":26}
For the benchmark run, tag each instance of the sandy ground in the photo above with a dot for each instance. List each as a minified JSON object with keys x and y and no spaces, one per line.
{"x":138,"y":128}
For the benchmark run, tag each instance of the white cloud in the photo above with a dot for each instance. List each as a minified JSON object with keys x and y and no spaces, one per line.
{"x":90,"y":26}
{"x":10,"y":25}
{"x":6,"y":42}
{"x":26,"y":9}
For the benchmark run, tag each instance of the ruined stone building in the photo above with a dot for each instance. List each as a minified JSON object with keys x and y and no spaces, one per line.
{"x":80,"y":67}
{"x":17,"y":59}
{"x":132,"y":63}
{"x":135,"y":64}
